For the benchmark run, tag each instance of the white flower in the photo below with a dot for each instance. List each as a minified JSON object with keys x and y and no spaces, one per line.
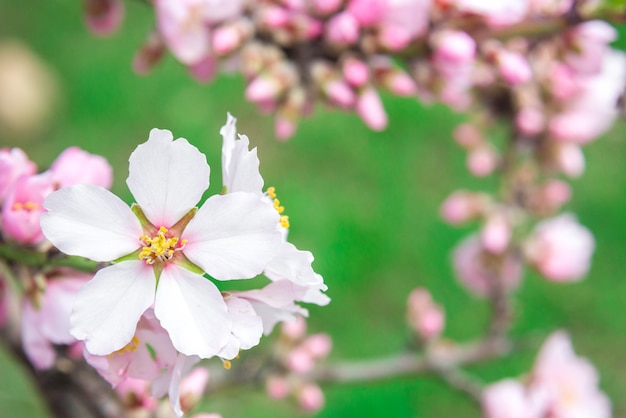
{"x":160,"y":249}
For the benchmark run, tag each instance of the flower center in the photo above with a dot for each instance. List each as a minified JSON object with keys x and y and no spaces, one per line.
{"x":159,"y":248}
{"x":131,"y":347}
{"x":284,"y":219}
{"x":27,"y":206}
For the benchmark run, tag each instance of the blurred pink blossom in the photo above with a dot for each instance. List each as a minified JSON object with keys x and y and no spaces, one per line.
{"x":104,"y":17}
{"x":74,"y":166}
{"x":425,"y":316}
{"x":560,"y":248}
{"x":14,"y":163}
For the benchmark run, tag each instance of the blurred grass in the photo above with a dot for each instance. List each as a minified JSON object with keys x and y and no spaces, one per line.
{"x":364,"y":203}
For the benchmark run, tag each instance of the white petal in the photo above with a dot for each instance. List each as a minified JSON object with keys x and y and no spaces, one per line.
{"x":247,"y":327}
{"x":192,"y":311}
{"x":233,"y":236}
{"x":293,"y":265}
{"x":90,"y":221}
{"x":167,"y":177}
{"x":109,"y":306}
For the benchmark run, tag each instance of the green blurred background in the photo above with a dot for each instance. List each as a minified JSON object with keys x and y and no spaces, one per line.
{"x":366,"y":204}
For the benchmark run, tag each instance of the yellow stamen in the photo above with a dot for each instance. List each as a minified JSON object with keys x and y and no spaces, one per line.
{"x":159,"y":248}
{"x":28,"y":206}
{"x":284,"y":220}
{"x":227,"y":364}
{"x":131,"y":347}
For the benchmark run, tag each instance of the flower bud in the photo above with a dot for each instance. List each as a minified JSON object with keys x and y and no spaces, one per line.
{"x":103,"y":17}
{"x":310,"y":397}
{"x":370,"y":108}
{"x":342,"y":29}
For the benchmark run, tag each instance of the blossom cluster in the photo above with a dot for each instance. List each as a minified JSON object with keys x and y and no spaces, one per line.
{"x":561,"y":385}
{"x":155,"y":311}
{"x":343,"y":52}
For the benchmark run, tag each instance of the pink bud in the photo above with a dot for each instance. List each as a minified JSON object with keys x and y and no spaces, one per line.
{"x":425,"y":316}
{"x":194,"y":383}
{"x":204,"y":70}
{"x":300,"y":361}
{"x":370,"y":109}
{"x":226,"y":39}
{"x":75,"y":166}
{"x":149,"y":55}
{"x":311,"y":397}
{"x":530,"y":121}
{"x":461,"y":206}
{"x":474,"y":273}
{"x":482,"y":161}
{"x":394,"y":38}
{"x":556,"y":193}
{"x":277,"y":387}
{"x":294,"y":330}
{"x":342,"y":29}
{"x":453,"y":47}
{"x":468,"y":136}
{"x":355,"y":71}
{"x":284,"y":128}
{"x":326,"y":7}
{"x":495,"y":234}
{"x":561,"y":248}
{"x":570,"y":159}
{"x":275,"y":16}
{"x":263,"y":88}
{"x":14,"y":163}
{"x":367,"y":12}
{"x":318,"y":345}
{"x":23,"y":207}
{"x":103,"y":17}
{"x":513,"y":67}
{"x":400,"y":83}
{"x":340,"y":93}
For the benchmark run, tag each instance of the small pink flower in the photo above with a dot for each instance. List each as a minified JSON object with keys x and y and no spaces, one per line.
{"x":23,"y":208}
{"x":513,"y":67}
{"x":14,"y":163}
{"x":470,"y":264}
{"x":310,"y":397}
{"x":46,"y":320}
{"x":560,"y":248}
{"x":508,"y":399}
{"x":342,"y":29}
{"x":74,"y":166}
{"x":568,"y":382}
{"x":104,"y":17}
{"x":370,"y":108}
{"x":425,"y":316}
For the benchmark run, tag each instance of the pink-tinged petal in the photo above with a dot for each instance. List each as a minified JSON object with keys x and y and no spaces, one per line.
{"x":173,"y":380}
{"x":233,"y":236}
{"x":75,"y":166}
{"x":56,"y":307}
{"x":91,"y":222}
{"x":192,"y":311}
{"x":293,"y":265}
{"x":167,"y":177}
{"x":108,"y":308}
{"x":247,"y":327}
{"x":37,"y":347}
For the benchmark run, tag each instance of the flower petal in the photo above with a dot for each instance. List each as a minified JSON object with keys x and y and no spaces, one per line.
{"x":109,"y":306}
{"x":167,"y":177}
{"x":192,"y":311}
{"x":293,"y":265}
{"x":233,"y":236}
{"x":240,"y":167}
{"x":90,"y":221}
{"x":247,"y":327}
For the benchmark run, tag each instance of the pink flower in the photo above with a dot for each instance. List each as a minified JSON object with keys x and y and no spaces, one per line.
{"x":569,"y":382}
{"x":470,"y":264}
{"x":160,"y":248}
{"x":509,"y":399}
{"x":75,"y":166}
{"x":147,"y":356}
{"x":560,"y":248}
{"x":46,"y":319}
{"x":104,"y":17}
{"x":184,"y":25}
{"x":424,"y":315}
{"x":13,"y":164}
{"x":23,"y":208}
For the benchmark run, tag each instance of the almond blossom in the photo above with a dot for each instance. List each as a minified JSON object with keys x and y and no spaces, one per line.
{"x":160,"y":249}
